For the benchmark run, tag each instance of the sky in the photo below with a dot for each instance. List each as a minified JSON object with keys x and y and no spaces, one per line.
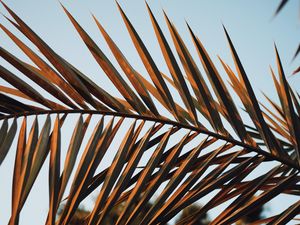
{"x":251,"y":25}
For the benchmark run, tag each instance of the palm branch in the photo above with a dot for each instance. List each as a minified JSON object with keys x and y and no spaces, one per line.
{"x":179,"y":150}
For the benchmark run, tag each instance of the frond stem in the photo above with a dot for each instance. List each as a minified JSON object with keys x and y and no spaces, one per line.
{"x":249,"y":148}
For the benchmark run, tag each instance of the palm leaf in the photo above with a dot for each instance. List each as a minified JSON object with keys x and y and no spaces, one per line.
{"x":129,"y":148}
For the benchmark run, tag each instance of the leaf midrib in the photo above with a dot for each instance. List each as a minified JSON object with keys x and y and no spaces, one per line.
{"x":247,"y":147}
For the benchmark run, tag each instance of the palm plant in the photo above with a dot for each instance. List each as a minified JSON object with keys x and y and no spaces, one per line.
{"x":192,"y":147}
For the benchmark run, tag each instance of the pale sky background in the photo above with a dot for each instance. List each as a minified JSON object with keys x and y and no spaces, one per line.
{"x":249,"y":23}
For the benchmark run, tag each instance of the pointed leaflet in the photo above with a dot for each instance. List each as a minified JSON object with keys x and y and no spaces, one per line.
{"x":93,"y":161}
{"x":153,"y":176}
{"x":259,"y":121}
{"x":246,"y":195}
{"x":189,"y":181}
{"x":36,"y":77}
{"x":222,"y":196}
{"x":156,"y":182}
{"x":127,"y":173}
{"x":99,"y":178}
{"x":196,"y":80}
{"x":53,"y":57}
{"x":25,"y":170}
{"x":196,"y":103}
{"x":108,"y":68}
{"x":16,"y":92}
{"x":98,"y":92}
{"x":145,"y":175}
{"x":90,"y":163}
{"x":7,"y":141}
{"x":174,"y":68}
{"x":182,"y":53}
{"x":241,"y":91}
{"x":280,"y":6}
{"x":210,"y":180}
{"x":174,"y":202}
{"x":221,"y":91}
{"x":279,"y":93}
{"x":128,"y":70}
{"x":46,"y":70}
{"x":295,"y":100}
{"x":297,"y":52}
{"x":38,"y":158}
{"x":70,"y":161}
{"x":18,"y":169}
{"x":3,"y":130}
{"x":54,"y":170}
{"x":72,"y":152}
{"x":274,"y":125}
{"x":80,"y":177}
{"x":287,"y":215}
{"x":174,"y":182}
{"x":134,"y":145}
{"x":150,"y":66}
{"x":13,"y":91}
{"x":113,"y":173}
{"x":96,"y":104}
{"x":211,"y":184}
{"x":101,"y":148}
{"x":24,"y":87}
{"x":296,"y":70}
{"x":280,"y":126}
{"x":288,"y":108}
{"x":93,"y":182}
{"x":10,"y":105}
{"x":260,"y":200}
{"x":18,"y":161}
{"x":61,"y":122}
{"x":279,"y":116}
{"x":182,"y":112}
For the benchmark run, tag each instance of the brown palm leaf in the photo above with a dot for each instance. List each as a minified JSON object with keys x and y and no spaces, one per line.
{"x":146,"y":143}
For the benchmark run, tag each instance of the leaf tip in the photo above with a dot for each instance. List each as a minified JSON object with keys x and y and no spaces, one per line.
{"x":225,"y":30}
{"x":147,"y":5}
{"x":119,"y":7}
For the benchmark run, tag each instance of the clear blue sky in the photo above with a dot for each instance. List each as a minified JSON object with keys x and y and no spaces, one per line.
{"x":249,"y":23}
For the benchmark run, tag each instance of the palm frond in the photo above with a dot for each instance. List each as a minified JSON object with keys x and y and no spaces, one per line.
{"x":200,"y":146}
